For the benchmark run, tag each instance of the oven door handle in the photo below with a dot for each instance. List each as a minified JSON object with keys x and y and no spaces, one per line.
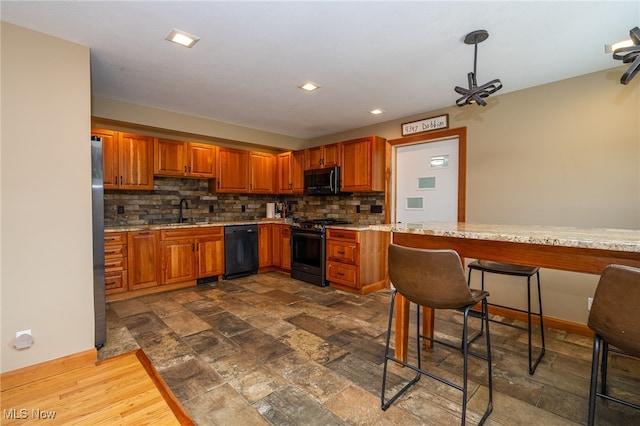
{"x":314,"y":235}
{"x":331,"y":180}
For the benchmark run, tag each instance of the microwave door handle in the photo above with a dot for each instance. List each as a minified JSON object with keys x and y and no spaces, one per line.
{"x":331,"y":180}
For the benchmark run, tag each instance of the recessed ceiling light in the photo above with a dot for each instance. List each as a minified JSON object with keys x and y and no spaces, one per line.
{"x":376,"y":111}
{"x":182,"y":38}
{"x":309,"y":86}
{"x":608,"y":48}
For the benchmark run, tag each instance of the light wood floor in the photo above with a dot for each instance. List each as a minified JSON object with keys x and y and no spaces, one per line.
{"x":125,"y":389}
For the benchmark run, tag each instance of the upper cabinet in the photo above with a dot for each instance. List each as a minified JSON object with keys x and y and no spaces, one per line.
{"x":232,"y":173}
{"x":184,"y":159}
{"x":241,"y":171}
{"x":363,"y":164}
{"x":127,"y":160}
{"x":261,"y":172}
{"x":290,"y":172}
{"x":323,"y":156}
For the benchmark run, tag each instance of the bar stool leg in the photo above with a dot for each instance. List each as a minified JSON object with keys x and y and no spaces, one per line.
{"x":532,"y":367}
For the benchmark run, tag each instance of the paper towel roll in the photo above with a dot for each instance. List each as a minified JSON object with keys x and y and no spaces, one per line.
{"x":271,"y":210}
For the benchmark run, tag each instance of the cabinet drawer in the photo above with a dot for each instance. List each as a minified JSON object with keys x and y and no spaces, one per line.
{"x":115,"y":282}
{"x":191,"y":232}
{"x":113,"y":250}
{"x":341,"y":251}
{"x":343,"y":234}
{"x":111,"y":238}
{"x":114,"y":264}
{"x":341,"y":273}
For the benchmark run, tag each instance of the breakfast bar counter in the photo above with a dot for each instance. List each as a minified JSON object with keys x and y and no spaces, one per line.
{"x":564,"y":248}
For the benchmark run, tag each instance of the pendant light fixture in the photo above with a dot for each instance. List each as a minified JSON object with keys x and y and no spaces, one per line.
{"x":630,"y":54}
{"x":475,"y":93}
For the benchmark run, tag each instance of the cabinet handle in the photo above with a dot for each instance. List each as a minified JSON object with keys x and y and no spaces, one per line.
{"x":143,"y":233}
{"x":106,"y":265}
{"x":340,"y":273}
{"x":340,"y":252}
{"x":197,"y":246}
{"x":193,"y":246}
{"x":189,"y":167}
{"x":109,"y":283}
{"x":120,"y":180}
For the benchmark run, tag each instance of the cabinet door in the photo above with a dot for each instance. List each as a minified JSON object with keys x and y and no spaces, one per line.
{"x":356,"y":173}
{"x":262,"y":171}
{"x":276,"y":244}
{"x":331,"y":156}
{"x":109,"y":157}
{"x":210,"y":255}
{"x":201,"y":160}
{"x":143,"y":249}
{"x":135,"y":161}
{"x":233,"y":170}
{"x":297,"y":172}
{"x":283,"y":173}
{"x":363,"y":165}
{"x":314,"y":157}
{"x":178,"y":261}
{"x":168,"y":157}
{"x":264,"y":245}
{"x":286,"y":248}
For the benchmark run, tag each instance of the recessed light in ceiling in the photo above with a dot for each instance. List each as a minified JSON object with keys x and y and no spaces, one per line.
{"x":182,"y":38}
{"x":376,"y":111}
{"x":309,"y":86}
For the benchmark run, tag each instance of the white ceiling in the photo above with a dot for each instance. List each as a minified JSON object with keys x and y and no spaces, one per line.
{"x":403,"y":57}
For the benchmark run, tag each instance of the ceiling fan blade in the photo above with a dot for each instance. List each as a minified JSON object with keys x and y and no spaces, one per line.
{"x":461,"y":90}
{"x":635,"y":35}
{"x":631,"y":72}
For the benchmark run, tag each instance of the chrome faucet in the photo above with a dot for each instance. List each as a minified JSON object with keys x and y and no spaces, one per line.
{"x":186,"y":206}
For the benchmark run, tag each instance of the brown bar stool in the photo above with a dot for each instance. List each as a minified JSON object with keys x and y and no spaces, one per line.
{"x":435,"y":279}
{"x":615,"y":320}
{"x":518,"y":271}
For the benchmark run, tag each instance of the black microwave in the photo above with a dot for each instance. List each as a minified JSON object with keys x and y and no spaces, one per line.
{"x":322,"y":181}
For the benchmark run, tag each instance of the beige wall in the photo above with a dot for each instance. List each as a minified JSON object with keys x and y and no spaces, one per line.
{"x":565,"y":153}
{"x":45,"y":228}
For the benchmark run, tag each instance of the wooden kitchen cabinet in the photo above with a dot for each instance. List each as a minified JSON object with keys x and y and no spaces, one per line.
{"x":290,"y":172}
{"x":363,"y":165}
{"x":143,"y":259}
{"x":189,"y":254}
{"x":357,"y":260}
{"x":115,"y":262}
{"x":127,"y":160}
{"x":232,"y":171}
{"x":265,"y":245}
{"x":286,"y":248}
{"x":261,"y":172}
{"x":184,"y":159}
{"x":323,"y":156}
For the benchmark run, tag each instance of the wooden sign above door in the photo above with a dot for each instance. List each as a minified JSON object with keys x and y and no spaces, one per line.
{"x":426,"y":125}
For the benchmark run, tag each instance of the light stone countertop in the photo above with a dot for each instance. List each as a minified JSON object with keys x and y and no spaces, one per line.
{"x":188,"y":225}
{"x":594,"y":238}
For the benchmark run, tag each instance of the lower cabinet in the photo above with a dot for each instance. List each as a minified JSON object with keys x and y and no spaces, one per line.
{"x":188,"y":254}
{"x":265,"y":245}
{"x":285,"y":248}
{"x":115,"y":262}
{"x":143,"y":255}
{"x":357,"y":260}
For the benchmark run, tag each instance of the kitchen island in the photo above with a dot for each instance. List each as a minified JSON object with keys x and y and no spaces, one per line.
{"x":564,"y":248}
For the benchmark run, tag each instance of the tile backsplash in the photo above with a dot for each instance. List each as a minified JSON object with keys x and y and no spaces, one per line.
{"x":162,"y":205}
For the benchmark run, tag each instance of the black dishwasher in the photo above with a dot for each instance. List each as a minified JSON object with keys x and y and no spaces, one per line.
{"x":240,"y":250}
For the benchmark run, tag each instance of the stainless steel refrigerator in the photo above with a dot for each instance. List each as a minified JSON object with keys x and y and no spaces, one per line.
{"x":97,"y":198}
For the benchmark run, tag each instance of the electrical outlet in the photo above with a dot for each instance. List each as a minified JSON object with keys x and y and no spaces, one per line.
{"x":376,"y":209}
{"x":357,"y":209}
{"x":120,"y":209}
{"x":20,"y":333}
{"x":589,"y":302}
{"x":244,"y":208}
{"x":210,"y":208}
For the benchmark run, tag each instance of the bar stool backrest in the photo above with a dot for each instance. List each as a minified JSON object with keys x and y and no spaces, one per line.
{"x":432,"y":278}
{"x":615,"y":311}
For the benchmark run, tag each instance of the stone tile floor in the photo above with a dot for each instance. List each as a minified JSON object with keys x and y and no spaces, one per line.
{"x":268,"y":349}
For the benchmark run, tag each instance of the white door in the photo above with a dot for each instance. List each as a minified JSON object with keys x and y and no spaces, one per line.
{"x":426,"y":182}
